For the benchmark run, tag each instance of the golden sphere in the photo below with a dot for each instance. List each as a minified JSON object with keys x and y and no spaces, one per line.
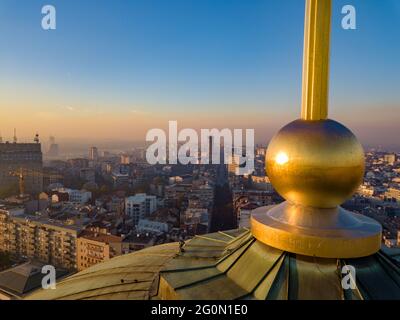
{"x":315,"y":163}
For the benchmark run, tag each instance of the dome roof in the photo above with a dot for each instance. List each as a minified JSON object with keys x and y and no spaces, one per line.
{"x":126,"y":277}
{"x":228,"y":265}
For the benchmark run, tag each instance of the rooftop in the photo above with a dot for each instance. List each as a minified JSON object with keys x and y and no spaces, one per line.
{"x":67,"y":224}
{"x":23,"y":279}
{"x":100,"y":237}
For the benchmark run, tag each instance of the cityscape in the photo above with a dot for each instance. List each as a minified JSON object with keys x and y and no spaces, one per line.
{"x":79,"y":212}
{"x":293,"y":193}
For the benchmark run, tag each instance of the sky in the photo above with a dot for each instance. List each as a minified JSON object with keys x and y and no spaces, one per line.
{"x":114,"y":69}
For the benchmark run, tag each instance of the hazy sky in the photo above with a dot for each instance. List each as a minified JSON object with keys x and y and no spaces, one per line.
{"x":117,"y":68}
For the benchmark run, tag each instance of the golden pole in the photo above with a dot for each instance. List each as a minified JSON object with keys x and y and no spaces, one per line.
{"x":316,"y":60}
{"x":316,"y":164}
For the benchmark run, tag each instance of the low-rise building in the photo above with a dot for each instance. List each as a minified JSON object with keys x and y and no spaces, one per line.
{"x":259,"y":197}
{"x":393,"y":193}
{"x":137,"y":241}
{"x":366,"y":190}
{"x":262,"y":183}
{"x":70,"y":195}
{"x":146,"y":225}
{"x":120,"y":179}
{"x":390,"y":158}
{"x":93,"y":248}
{"x":176,"y":193}
{"x":139,"y":206}
{"x":196,"y":221}
{"x":398,"y":238}
{"x":205,"y":195}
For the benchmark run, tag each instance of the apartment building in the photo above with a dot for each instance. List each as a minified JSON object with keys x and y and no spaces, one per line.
{"x":35,"y":237}
{"x":139,"y":206}
{"x":393,"y":193}
{"x":93,"y":248}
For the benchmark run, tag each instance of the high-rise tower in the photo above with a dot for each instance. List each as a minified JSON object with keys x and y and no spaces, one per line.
{"x":17,"y":157}
{"x":53,"y":150}
{"x":93,"y":154}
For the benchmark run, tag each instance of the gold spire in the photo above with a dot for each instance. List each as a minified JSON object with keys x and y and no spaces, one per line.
{"x":317,"y":31}
{"x":316,"y":164}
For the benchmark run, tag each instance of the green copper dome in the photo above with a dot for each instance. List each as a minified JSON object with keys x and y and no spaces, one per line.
{"x":228,"y":265}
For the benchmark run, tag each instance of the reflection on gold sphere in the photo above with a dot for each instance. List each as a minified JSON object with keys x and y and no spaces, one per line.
{"x":315,"y":163}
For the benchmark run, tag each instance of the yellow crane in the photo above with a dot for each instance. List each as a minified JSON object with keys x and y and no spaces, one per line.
{"x":24,"y":172}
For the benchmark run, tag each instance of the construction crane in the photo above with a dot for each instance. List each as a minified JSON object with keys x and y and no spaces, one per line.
{"x":24,"y":172}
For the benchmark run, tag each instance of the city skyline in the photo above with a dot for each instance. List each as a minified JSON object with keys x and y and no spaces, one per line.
{"x":130,"y":67}
{"x":154,"y":150}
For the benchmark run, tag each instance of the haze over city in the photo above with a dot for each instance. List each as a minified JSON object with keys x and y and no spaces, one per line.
{"x":115,"y":72}
{"x":229,"y":151}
